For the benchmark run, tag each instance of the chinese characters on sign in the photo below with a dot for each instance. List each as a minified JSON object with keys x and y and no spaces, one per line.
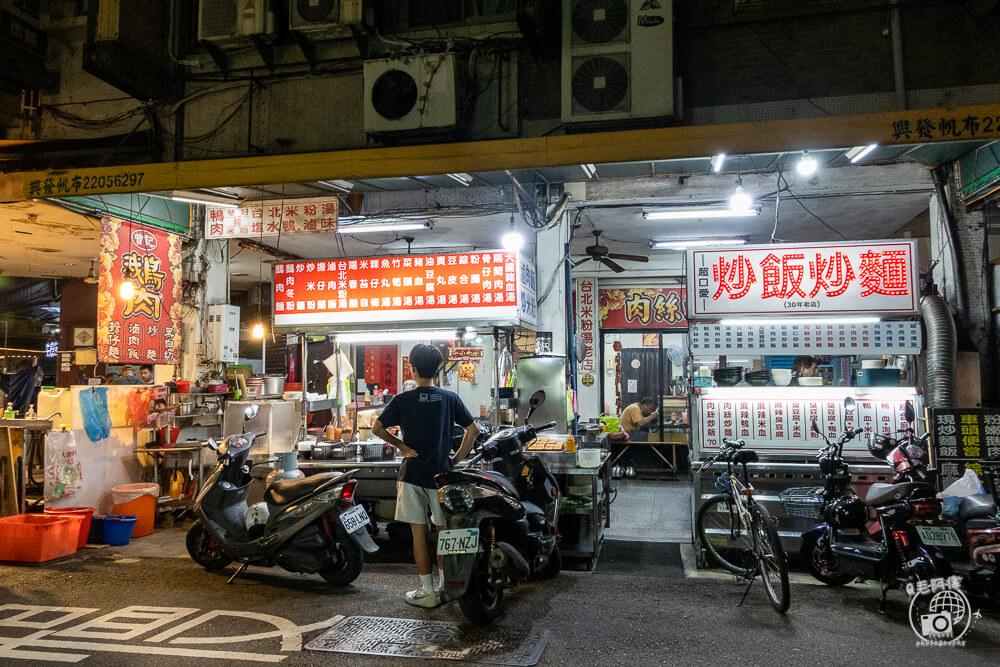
{"x":962,"y":439}
{"x":472,"y":286}
{"x":586,"y":322}
{"x":640,"y":308}
{"x":854,"y":338}
{"x":380,"y":366}
{"x":877,"y":277}
{"x":945,"y":129}
{"x":465,"y":354}
{"x":145,"y":328}
{"x":272,"y":217}
{"x":782,"y":426}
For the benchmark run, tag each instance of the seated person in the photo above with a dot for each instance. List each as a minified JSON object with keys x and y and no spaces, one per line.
{"x":636,"y":418}
{"x":803,"y":367}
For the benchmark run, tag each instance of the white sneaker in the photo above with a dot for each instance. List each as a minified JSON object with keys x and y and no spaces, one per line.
{"x":421,"y":598}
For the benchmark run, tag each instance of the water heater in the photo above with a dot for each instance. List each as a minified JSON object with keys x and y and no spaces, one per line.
{"x":223,"y":343}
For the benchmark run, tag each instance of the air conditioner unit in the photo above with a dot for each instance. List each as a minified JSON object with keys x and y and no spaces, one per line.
{"x":232,"y":20}
{"x":410,"y":93}
{"x":330,"y":16}
{"x":617,"y":60}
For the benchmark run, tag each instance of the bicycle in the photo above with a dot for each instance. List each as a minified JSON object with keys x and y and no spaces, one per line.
{"x":737,"y":533}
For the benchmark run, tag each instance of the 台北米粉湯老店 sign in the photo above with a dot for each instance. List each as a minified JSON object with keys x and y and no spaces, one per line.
{"x":872,"y":277}
{"x":493,"y":286}
{"x":271,"y":218}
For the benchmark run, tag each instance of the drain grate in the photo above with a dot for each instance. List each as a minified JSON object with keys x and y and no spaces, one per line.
{"x":439,"y":640}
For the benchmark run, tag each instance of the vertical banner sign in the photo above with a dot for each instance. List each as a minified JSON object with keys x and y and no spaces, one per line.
{"x":963,"y":439}
{"x":146,"y":328}
{"x":586,"y":322}
{"x":380,"y":366}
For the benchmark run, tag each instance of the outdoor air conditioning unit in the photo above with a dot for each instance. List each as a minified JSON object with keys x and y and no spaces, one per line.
{"x":332,"y":17}
{"x":233,"y":20}
{"x":617,"y":60}
{"x":410,"y":93}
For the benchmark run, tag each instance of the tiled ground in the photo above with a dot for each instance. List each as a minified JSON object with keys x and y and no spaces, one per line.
{"x":651,"y":511}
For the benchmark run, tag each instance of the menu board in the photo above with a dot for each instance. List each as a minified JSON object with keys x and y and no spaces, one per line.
{"x":783,"y":425}
{"x":875,"y":338}
{"x":489,"y":286}
{"x":272,"y":218}
{"x":962,"y":438}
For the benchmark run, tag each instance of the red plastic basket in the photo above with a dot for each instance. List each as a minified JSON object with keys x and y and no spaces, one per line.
{"x":34,"y":538}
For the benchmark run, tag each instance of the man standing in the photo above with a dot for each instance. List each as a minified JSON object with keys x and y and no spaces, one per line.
{"x":146,"y":374}
{"x":636,"y":418}
{"x":426,"y":416}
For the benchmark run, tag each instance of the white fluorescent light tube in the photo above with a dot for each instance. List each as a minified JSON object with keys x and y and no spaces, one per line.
{"x":693,"y":243}
{"x":343,"y":186}
{"x":859,"y":152}
{"x":589,"y":169}
{"x":382,"y":336}
{"x":462,"y":178}
{"x":717,"y":161}
{"x":203,"y":202}
{"x":695,"y":213}
{"x":389,"y":227}
{"x":801,"y":320}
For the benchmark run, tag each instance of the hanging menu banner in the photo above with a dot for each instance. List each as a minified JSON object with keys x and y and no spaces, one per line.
{"x":146,"y":328}
{"x":494,"y":287}
{"x":642,"y":308}
{"x":271,"y":218}
{"x":962,"y":439}
{"x":783,"y":425}
{"x":877,"y":277}
{"x":874,"y":338}
{"x":380,"y":366}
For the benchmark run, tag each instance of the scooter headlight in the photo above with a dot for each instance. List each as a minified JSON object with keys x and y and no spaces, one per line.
{"x":457,"y":499}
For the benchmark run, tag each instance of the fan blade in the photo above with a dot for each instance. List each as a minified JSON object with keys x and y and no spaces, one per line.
{"x":617,"y":268}
{"x":628,"y":258}
{"x":581,"y":261}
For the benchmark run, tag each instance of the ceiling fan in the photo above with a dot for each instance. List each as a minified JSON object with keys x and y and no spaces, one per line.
{"x":601,"y":253}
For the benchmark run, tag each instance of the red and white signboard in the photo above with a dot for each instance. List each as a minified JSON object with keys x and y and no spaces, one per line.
{"x":586,"y":322}
{"x":493,"y":286}
{"x":783,"y":425}
{"x":877,"y":277}
{"x":272,"y":217}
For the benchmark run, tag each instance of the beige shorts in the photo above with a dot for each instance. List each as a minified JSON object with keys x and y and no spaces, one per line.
{"x":412,"y":503}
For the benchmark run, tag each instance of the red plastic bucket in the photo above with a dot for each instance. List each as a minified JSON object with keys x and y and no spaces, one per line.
{"x":87,"y":513}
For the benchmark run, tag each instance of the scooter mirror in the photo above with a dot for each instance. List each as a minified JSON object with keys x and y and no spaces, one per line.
{"x":849,"y":405}
{"x":213,"y":445}
{"x":536,"y":399}
{"x":815,"y":427}
{"x":910,"y":413}
{"x":251,"y":412}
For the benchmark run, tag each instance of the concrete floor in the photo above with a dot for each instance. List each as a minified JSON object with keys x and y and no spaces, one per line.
{"x":593,"y":618}
{"x":651,"y":511}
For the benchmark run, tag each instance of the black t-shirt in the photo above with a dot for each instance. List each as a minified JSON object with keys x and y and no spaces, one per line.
{"x":426,"y":415}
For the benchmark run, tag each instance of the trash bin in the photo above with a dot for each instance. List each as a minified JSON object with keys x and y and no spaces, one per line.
{"x":138,"y":500}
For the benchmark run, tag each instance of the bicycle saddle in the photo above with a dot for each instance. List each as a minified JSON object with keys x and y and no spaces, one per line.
{"x":745,"y":456}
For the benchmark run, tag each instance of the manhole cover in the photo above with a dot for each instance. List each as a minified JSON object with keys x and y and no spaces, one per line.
{"x":439,"y":640}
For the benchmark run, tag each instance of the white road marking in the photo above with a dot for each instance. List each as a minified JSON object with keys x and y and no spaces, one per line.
{"x":29,"y":610}
{"x":112,"y":626}
{"x":290,"y":633}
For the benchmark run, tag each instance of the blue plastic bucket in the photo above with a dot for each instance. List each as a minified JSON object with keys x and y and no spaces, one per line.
{"x":118,"y":529}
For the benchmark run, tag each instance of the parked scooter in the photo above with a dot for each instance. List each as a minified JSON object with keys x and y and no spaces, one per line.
{"x":877,"y":538}
{"x":501,"y":524}
{"x":309,"y":525}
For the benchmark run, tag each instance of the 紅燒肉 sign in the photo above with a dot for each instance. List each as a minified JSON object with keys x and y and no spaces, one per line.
{"x":271,"y":218}
{"x":145,"y":328}
{"x":490,"y":286}
{"x":640,"y":308}
{"x":877,"y":277}
{"x":962,"y":438}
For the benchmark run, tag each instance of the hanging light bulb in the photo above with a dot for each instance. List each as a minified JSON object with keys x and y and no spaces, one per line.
{"x":127,"y":288}
{"x":258,"y":331}
{"x":807,"y":165}
{"x":513,"y":240}
{"x":740,"y":200}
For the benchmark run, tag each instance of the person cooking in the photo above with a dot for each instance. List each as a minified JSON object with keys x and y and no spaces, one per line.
{"x":636,"y":418}
{"x":804,"y":367}
{"x":426,"y":415}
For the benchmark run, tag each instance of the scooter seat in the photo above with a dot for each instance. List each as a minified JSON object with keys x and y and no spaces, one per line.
{"x":979,"y":506}
{"x":883,"y":494}
{"x":286,"y":491}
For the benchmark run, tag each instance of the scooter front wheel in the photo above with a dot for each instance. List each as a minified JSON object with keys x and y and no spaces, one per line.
{"x":482,"y":601}
{"x":348,"y":564}
{"x":820,"y":561}
{"x":204,"y":550}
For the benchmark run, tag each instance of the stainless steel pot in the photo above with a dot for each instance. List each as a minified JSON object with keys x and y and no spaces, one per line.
{"x":183,"y":409}
{"x":274,"y":384}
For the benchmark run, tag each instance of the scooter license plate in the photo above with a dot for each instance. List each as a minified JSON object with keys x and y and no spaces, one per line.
{"x":458,"y":541}
{"x":939,"y":536}
{"x":354,"y":518}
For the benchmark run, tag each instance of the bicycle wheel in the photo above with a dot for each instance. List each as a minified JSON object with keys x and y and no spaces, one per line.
{"x":721,"y":534}
{"x":773,"y":569}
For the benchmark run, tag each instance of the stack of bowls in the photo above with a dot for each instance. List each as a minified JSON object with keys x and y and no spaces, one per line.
{"x":811,"y":382}
{"x":758,"y":378}
{"x":781,"y":376}
{"x":728,"y":377}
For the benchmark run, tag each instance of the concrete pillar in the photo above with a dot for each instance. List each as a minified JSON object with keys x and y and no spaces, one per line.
{"x":550,"y":249}
{"x":206,"y":282}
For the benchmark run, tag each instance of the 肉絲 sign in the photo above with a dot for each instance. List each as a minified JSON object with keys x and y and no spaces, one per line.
{"x":492,"y":287}
{"x":962,"y":438}
{"x":271,"y":218}
{"x":877,"y":277}
{"x":145,"y":328}
{"x":640,"y":308}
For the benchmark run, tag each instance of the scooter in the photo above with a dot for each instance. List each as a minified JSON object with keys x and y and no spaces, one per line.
{"x":309,"y":525}
{"x":880,"y":538}
{"x":501,"y":523}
